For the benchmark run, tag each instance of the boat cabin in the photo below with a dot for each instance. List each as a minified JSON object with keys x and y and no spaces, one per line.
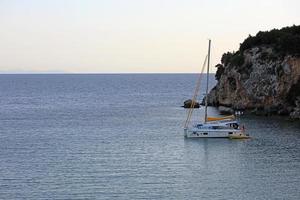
{"x":220,"y":125}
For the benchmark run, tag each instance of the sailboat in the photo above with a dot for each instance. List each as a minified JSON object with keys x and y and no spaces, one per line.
{"x":212,"y":127}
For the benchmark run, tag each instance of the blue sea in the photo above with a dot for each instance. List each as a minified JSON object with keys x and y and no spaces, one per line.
{"x":112,"y":136}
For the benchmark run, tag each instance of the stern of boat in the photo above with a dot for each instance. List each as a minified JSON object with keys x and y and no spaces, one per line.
{"x":239,"y":135}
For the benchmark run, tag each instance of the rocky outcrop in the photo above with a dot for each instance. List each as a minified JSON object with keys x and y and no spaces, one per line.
{"x":188,"y":104}
{"x":261,"y":79}
{"x":225,"y":110}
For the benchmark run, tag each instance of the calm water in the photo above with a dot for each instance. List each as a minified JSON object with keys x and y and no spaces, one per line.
{"x":120,"y":137}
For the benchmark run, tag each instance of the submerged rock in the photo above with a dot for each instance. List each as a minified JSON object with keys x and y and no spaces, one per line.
{"x":188,"y":104}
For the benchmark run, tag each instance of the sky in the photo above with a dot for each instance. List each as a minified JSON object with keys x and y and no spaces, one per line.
{"x":130,"y":36}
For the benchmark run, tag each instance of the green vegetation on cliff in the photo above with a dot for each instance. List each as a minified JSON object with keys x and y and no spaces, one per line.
{"x":285,"y":41}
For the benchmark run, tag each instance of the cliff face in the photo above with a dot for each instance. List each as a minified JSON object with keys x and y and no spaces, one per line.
{"x":261,"y":79}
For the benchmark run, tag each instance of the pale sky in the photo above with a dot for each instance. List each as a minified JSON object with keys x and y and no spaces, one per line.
{"x":116,"y":36}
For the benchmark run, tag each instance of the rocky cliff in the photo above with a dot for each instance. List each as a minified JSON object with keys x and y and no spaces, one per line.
{"x":263,"y":76}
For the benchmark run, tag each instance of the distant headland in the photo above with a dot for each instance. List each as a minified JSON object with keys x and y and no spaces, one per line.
{"x":263,"y":76}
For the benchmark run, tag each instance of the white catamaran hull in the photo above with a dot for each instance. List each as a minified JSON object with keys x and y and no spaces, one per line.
{"x":198,"y":133}
{"x":213,"y":127}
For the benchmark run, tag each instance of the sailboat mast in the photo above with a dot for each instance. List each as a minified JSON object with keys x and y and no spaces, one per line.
{"x":207,"y":80}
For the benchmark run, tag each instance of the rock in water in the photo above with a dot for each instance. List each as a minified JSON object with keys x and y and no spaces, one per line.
{"x":263,"y":76}
{"x":225,"y":110}
{"x":188,"y":104}
{"x":295,"y":114}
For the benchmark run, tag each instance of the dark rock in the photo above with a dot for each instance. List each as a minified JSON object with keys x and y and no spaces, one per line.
{"x":188,"y":104}
{"x":265,"y":111}
{"x":225,"y":110}
{"x":295,"y":114}
{"x":285,"y":111}
{"x":259,"y":112}
{"x":271,"y":110}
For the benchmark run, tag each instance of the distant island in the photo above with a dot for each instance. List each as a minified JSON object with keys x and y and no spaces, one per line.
{"x":263,"y":76}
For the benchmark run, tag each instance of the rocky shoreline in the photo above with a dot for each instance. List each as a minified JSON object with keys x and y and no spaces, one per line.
{"x":263,"y":77}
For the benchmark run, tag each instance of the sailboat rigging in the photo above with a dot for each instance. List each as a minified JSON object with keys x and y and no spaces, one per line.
{"x":212,"y":127}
